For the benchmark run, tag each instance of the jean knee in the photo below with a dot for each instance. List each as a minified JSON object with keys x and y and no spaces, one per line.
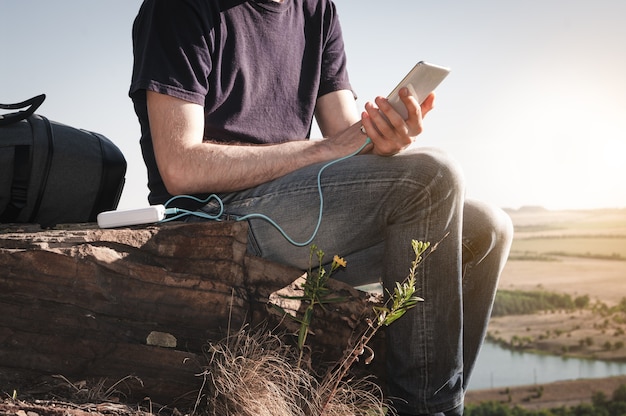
{"x":486,"y":229}
{"x":444,"y":176}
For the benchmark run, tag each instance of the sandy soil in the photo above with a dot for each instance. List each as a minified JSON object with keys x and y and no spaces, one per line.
{"x":548,"y":396}
{"x":61,"y":408}
{"x":603,"y":280}
{"x":579,"y":334}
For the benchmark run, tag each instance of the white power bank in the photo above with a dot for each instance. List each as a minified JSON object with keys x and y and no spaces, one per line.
{"x":122,"y":218}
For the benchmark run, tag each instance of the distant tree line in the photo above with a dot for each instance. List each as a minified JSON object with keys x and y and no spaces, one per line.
{"x":517,"y":302}
{"x":600,"y":405}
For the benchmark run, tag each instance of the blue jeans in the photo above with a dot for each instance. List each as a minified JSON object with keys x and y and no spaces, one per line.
{"x":373,"y":207}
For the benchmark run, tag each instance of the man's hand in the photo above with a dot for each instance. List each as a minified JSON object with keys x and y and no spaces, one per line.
{"x":391,"y":134}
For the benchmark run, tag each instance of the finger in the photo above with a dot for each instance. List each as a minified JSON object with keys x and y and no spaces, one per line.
{"x":409,"y":101}
{"x":428,"y":104}
{"x":382,"y":145}
{"x":392,"y":122}
{"x":379,"y":123}
{"x":370,"y":125}
{"x":366,"y":125}
{"x":414,"y":121}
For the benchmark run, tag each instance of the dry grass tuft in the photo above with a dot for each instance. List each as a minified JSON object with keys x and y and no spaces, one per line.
{"x":251,"y":374}
{"x":255,"y":374}
{"x":358,"y":397}
{"x":84,"y":392}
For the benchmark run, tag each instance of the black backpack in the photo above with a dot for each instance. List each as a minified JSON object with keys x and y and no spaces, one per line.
{"x":51,"y":173}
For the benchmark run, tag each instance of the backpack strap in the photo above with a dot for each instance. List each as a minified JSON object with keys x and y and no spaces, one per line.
{"x":21,"y":160}
{"x":19,"y":187}
{"x":32,"y":104}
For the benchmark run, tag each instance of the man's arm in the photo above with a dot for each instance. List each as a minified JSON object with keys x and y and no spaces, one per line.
{"x":335,"y":112}
{"x":189,"y":165}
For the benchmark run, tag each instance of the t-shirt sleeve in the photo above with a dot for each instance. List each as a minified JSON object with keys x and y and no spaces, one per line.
{"x":171,"y":44}
{"x":334,"y":75}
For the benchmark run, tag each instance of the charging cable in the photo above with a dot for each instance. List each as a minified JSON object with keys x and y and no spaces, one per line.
{"x":178,"y":213}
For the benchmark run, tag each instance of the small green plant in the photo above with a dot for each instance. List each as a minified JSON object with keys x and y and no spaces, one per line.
{"x":316,"y":293}
{"x":403,"y":297}
{"x":398,"y":303}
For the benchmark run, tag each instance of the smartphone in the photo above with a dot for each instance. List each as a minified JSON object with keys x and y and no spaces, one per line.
{"x":421,"y":81}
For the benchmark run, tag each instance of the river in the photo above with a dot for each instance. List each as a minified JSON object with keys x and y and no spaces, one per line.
{"x":498,"y":367}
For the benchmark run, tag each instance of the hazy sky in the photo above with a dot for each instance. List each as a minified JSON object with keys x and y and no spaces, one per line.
{"x":534,"y":109}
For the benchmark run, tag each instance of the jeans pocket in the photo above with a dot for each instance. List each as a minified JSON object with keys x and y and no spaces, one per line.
{"x":253,"y":246}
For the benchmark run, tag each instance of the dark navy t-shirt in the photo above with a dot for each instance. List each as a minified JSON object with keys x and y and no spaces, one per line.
{"x":257,"y":67}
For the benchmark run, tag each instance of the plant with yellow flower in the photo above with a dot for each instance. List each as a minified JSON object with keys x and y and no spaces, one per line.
{"x":316,"y":292}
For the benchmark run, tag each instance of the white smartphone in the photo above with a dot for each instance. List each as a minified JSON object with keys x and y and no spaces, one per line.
{"x":421,"y":81}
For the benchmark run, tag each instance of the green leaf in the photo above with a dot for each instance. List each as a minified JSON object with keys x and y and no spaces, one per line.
{"x":394,"y":316}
